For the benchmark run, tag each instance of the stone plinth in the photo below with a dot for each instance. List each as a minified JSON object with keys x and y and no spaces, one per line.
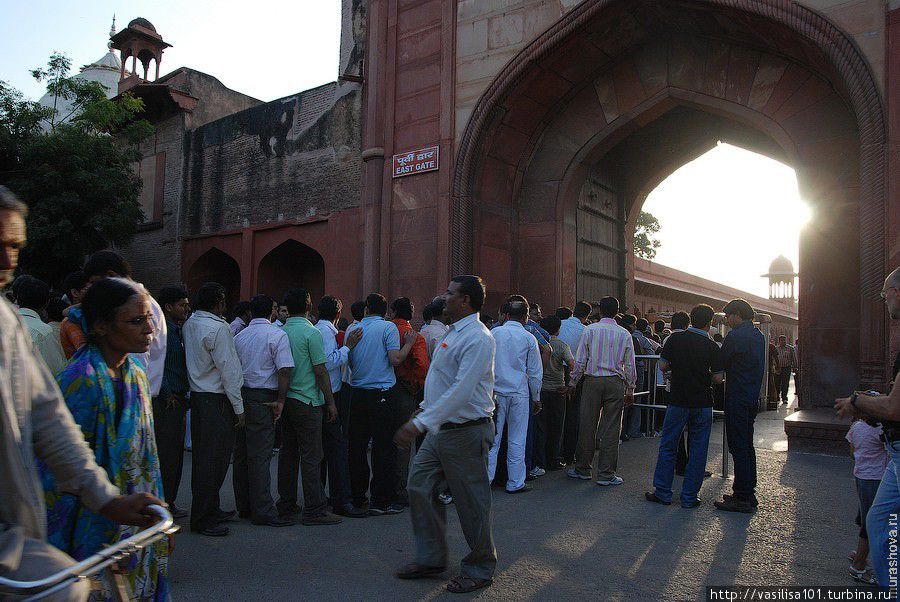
{"x":817,"y":430}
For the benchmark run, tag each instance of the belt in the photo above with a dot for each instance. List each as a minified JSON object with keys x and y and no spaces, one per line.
{"x":447,"y":426}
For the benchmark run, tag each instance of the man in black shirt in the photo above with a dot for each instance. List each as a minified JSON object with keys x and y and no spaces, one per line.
{"x":693,"y":360}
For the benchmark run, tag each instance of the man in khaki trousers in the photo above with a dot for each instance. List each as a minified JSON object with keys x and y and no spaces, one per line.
{"x":605,"y":356}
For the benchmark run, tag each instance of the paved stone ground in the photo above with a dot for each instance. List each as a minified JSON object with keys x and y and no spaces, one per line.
{"x":566,"y":540}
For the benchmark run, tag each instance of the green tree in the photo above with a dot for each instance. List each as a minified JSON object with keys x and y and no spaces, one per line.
{"x":645,"y":241}
{"x":74,"y":170}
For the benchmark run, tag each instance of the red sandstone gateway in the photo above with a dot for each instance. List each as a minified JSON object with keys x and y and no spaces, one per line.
{"x":555,"y":120}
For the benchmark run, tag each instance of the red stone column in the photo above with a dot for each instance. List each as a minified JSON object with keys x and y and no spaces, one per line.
{"x":892,"y":223}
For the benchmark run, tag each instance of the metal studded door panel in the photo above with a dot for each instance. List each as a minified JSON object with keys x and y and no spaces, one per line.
{"x":601,"y":240}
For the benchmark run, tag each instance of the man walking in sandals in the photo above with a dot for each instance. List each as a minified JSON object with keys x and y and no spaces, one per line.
{"x":456,"y":419}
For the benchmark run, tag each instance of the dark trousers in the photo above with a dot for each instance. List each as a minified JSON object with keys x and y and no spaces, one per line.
{"x":212,"y":439}
{"x":784,"y":381}
{"x":335,"y":466}
{"x":535,"y":441}
{"x":570,"y":431}
{"x":797,"y":384}
{"x":252,"y":455}
{"x":168,"y":424}
{"x":406,"y":405}
{"x":552,"y":418}
{"x":373,"y":416}
{"x":739,"y":418}
{"x":301,"y":449}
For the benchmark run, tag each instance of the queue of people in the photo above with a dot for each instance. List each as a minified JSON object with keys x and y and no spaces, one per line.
{"x":375,"y":417}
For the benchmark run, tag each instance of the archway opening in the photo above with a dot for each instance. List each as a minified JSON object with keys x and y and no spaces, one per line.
{"x":289,"y":265}
{"x":565,"y":144}
{"x":216,"y":266}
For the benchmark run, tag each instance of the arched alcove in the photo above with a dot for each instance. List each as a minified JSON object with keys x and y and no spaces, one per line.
{"x":288,"y":265}
{"x":216,"y":266}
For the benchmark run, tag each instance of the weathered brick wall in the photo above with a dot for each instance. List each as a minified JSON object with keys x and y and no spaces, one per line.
{"x":155,"y":253}
{"x":288,"y":159}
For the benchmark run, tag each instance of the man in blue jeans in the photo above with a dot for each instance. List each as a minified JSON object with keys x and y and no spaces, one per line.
{"x":693,"y":361}
{"x":744,"y":359}
{"x":882,"y":519}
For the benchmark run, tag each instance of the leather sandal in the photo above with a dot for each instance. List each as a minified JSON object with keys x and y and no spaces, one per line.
{"x":463,"y":585}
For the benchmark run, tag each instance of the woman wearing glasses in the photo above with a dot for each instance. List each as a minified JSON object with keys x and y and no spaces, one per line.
{"x":107,"y":391}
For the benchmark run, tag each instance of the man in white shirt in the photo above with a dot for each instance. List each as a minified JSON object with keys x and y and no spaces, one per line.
{"x":435,"y":330}
{"x":108,"y":264}
{"x":217,"y":408}
{"x":267,"y":363}
{"x":517,"y":387}
{"x":242,"y":317}
{"x":456,"y":417}
{"x":334,"y":434}
{"x":32,"y":296}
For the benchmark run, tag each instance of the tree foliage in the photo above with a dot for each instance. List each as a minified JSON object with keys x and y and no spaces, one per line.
{"x":645,"y":241}
{"x":73,"y":167}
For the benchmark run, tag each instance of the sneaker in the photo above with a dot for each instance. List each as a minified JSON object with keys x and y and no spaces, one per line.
{"x":537,"y":471}
{"x":351,"y":511}
{"x":445,"y":498}
{"x":616,"y":480}
{"x":385,"y":510}
{"x":691,"y":504}
{"x":573,"y":473}
{"x":177,"y":512}
{"x":522,"y":489}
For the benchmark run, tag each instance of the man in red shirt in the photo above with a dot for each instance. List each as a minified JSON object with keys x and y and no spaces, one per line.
{"x":410,"y":383}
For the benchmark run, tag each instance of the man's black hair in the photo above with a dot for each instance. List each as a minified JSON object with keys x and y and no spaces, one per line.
{"x":473,"y":287}
{"x":209,"y":295}
{"x":504,"y":309}
{"x":242,"y":307}
{"x":402,"y":308}
{"x":551,"y":324}
{"x":358,"y":310}
{"x":32,"y":293}
{"x":641,"y":325}
{"x":718,"y":337}
{"x":609,"y":307}
{"x":629,"y":320}
{"x":437,"y":307}
{"x":74,"y":281}
{"x":426,"y":313}
{"x":701,"y":316}
{"x":297,"y":301}
{"x":261,"y":306}
{"x":376,"y":305}
{"x":518,"y":310}
{"x":659,"y":326}
{"x":329,"y":308}
{"x":106,"y":262}
{"x":55,"y":309}
{"x":169,"y":295}
{"x":563,"y":313}
{"x":680,"y":320}
{"x":583,"y":309}
{"x":739,"y":307}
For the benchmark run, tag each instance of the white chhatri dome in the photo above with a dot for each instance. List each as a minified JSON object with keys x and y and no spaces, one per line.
{"x":106,"y":71}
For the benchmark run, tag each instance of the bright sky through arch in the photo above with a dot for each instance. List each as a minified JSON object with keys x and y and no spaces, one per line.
{"x":726,"y":215}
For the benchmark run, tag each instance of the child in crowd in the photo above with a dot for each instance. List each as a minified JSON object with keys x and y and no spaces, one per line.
{"x":870,"y":462}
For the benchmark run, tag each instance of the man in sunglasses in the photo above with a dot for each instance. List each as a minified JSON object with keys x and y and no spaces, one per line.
{"x":882,"y":518}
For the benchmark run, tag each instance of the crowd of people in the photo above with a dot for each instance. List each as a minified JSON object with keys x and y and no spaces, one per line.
{"x":369,"y":417}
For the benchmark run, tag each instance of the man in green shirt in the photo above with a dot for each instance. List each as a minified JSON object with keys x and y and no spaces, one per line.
{"x":308,"y":394}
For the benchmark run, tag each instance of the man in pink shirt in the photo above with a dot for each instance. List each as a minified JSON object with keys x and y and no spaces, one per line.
{"x":605,"y":357}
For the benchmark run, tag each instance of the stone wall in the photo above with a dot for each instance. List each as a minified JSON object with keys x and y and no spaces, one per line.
{"x":289,"y":159}
{"x":491,"y":32}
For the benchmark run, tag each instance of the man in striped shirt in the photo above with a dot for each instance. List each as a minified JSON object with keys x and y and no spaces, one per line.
{"x":605,"y":357}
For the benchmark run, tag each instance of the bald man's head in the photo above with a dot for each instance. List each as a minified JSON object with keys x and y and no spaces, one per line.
{"x":891,"y":294}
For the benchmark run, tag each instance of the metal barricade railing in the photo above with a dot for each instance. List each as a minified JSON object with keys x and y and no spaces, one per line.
{"x":102,"y":560}
{"x":651,"y":407}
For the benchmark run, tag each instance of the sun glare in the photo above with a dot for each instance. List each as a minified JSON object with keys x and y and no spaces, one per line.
{"x":726,"y":215}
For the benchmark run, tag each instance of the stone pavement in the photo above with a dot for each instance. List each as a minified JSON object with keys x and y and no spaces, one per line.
{"x":565,"y":540}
